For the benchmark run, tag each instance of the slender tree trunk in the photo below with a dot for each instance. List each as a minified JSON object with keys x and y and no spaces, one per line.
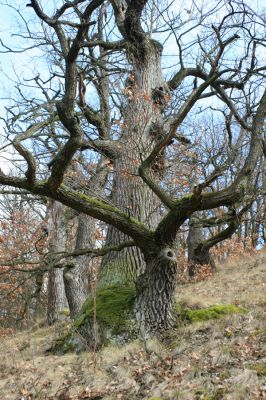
{"x":77,"y":273}
{"x":202,"y":256}
{"x":195,"y":256}
{"x":254,"y":224}
{"x":263,"y":219}
{"x":247,"y":229}
{"x":57,"y":241}
{"x":37,"y":295}
{"x":76,"y":278}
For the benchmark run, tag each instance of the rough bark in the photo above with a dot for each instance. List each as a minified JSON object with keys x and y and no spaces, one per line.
{"x":57,"y":241}
{"x":142,"y":120}
{"x":38,"y":306}
{"x":263,"y":225}
{"x":77,"y":272}
{"x":155,"y":294}
{"x":76,"y":276}
{"x":195,"y":237}
{"x":202,"y":250}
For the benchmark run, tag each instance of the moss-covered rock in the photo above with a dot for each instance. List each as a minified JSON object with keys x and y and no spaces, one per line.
{"x":106,"y":318}
{"x":204,"y":314}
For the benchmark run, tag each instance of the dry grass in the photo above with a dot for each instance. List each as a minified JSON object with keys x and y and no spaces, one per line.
{"x":240,"y":282}
{"x":211,"y":360}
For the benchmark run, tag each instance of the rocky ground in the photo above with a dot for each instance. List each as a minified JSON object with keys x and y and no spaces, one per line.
{"x":203,"y":358}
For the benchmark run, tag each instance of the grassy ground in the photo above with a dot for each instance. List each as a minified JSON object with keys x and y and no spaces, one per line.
{"x":211,"y":360}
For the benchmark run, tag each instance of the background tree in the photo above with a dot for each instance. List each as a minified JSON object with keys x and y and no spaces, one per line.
{"x":21,"y":246}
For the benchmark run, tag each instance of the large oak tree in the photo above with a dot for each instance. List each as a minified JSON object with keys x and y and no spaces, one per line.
{"x":133,"y":124}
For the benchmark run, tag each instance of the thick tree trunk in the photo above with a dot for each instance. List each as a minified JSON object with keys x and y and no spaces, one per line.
{"x":56,"y":241}
{"x":155,"y":294}
{"x":147,"y":97}
{"x":142,"y":121}
{"x":120,"y":313}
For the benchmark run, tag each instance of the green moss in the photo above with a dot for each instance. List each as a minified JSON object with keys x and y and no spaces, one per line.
{"x":225,"y":375}
{"x":65,"y":312}
{"x":178,"y":308}
{"x":113,"y":307}
{"x":114,"y":316}
{"x":155,"y":398}
{"x":186,"y":197}
{"x":91,"y":200}
{"x":204,"y":314}
{"x":42,"y":182}
{"x":260,"y":368}
{"x":62,"y":345}
{"x":260,"y":332}
{"x":216,"y":395}
{"x":104,"y":206}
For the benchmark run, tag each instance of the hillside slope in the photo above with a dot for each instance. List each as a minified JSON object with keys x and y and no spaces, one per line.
{"x":209,"y":359}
